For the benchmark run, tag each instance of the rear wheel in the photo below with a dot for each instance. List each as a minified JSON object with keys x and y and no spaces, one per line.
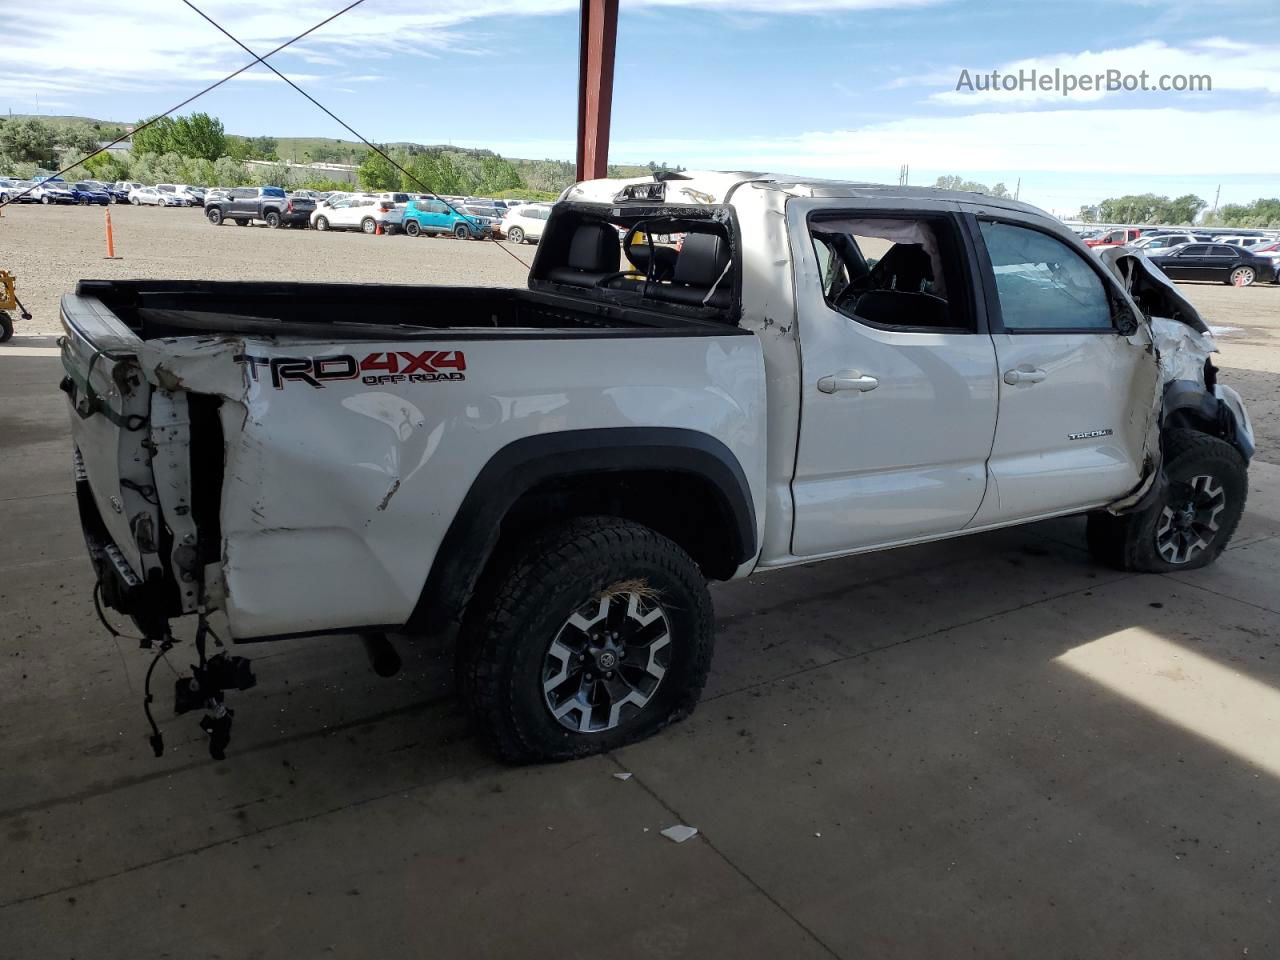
{"x":273,"y":219}
{"x":593,"y":635}
{"x":369,"y":225}
{"x":6,"y":326}
{"x":515,"y":235}
{"x":322,"y":223}
{"x":1242,"y":276}
{"x":214,"y":215}
{"x":411,"y":228}
{"x":45,"y":199}
{"x":1193,"y":518}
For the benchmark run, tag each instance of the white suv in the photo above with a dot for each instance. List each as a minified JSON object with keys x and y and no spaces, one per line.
{"x":525,"y":223}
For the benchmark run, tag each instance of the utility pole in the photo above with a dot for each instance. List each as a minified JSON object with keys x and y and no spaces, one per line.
{"x":597,"y":41}
{"x":1017,"y":191}
{"x":1216,"y":195}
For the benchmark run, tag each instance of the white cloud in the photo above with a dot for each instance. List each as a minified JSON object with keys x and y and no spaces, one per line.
{"x":1232,"y":66}
{"x":1099,"y":141}
{"x":159,"y":41}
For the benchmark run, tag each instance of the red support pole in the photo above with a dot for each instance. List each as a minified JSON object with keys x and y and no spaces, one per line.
{"x":598,"y":22}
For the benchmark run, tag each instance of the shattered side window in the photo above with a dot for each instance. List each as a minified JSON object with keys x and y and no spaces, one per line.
{"x":1042,"y":283}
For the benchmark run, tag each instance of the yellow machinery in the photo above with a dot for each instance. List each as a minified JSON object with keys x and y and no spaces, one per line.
{"x":9,"y":301}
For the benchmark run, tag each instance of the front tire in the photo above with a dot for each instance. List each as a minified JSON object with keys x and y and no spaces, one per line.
{"x":596,"y":634}
{"x":1193,"y":518}
{"x":214,"y":215}
{"x":461,"y":232}
{"x":322,"y":224}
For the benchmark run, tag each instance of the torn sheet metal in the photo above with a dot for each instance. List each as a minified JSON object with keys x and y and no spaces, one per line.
{"x":1182,"y":350}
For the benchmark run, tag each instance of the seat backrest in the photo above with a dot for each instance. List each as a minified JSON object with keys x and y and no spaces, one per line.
{"x":905,"y":267}
{"x":594,"y":254}
{"x":702,"y":259}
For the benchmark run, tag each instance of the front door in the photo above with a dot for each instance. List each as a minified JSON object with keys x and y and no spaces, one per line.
{"x":898,"y":378}
{"x":1075,"y":392}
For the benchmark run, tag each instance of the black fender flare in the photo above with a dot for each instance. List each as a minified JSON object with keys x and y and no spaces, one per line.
{"x":1193,"y":400}
{"x":523,"y":464}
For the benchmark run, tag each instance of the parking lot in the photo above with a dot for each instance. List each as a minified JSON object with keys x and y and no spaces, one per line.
{"x":986,"y":747}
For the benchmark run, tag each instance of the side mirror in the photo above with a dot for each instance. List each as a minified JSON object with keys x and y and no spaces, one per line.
{"x":1126,"y":323}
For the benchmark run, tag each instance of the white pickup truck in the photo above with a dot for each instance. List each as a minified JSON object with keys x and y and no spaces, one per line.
{"x":814,"y":369}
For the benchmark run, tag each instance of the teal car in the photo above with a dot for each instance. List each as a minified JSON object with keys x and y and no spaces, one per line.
{"x":435,"y":217}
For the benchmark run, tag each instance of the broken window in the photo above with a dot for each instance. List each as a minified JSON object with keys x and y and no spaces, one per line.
{"x":894,"y":272}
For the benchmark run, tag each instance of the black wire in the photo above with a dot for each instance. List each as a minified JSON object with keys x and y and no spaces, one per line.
{"x":97,"y":605}
{"x":337,"y":119}
{"x":231,"y":76}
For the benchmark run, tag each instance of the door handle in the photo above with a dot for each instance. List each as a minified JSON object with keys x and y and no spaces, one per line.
{"x":848,"y":380}
{"x":1024,"y":374}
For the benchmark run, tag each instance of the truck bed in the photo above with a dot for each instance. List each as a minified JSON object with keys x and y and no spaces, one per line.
{"x":155,"y":309}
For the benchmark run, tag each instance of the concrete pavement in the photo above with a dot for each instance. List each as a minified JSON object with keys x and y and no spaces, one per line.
{"x":986,"y":747}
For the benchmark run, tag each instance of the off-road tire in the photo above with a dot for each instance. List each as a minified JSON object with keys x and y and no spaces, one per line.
{"x":524,"y":600}
{"x":1128,"y":542}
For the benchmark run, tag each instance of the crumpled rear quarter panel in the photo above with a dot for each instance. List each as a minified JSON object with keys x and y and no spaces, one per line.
{"x":336,"y":497}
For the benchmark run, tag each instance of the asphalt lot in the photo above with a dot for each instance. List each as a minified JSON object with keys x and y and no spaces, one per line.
{"x":986,"y":747}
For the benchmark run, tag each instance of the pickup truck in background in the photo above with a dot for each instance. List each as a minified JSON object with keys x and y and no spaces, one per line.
{"x":821,"y":369}
{"x":271,"y":205}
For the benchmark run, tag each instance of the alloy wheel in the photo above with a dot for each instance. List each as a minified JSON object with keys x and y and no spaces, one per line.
{"x":607,"y":661}
{"x":1189,"y":522}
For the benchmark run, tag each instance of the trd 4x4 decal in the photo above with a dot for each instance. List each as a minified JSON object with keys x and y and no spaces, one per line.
{"x":392,"y":366}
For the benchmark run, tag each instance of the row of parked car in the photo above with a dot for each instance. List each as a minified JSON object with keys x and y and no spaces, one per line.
{"x":54,"y":190}
{"x":1239,"y":259}
{"x":466,"y":218}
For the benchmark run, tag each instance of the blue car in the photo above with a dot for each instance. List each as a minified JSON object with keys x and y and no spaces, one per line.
{"x":87,"y":193}
{"x":428,"y":216}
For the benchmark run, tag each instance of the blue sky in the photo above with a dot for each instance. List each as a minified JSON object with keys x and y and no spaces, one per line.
{"x":841,"y":88}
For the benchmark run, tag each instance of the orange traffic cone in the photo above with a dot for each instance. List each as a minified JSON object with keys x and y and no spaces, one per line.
{"x":111,"y":240}
{"x":377,"y":231}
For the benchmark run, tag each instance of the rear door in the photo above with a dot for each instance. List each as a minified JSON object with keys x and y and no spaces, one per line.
{"x":1219,"y":262}
{"x":898,"y":377}
{"x":1075,"y":392}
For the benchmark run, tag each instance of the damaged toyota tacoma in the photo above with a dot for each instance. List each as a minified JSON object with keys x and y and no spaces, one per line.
{"x":811,"y":369}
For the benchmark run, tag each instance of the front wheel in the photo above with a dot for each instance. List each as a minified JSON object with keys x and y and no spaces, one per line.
{"x":1193,"y":518}
{"x":411,"y":228}
{"x":461,"y":232}
{"x":322,"y":223}
{"x":593,"y":635}
{"x":45,"y":200}
{"x":1242,"y":276}
{"x":214,"y":215}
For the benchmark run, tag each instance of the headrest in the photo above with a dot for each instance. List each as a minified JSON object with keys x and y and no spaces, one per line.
{"x":702,"y":259}
{"x":905,"y":267}
{"x":595,"y":247}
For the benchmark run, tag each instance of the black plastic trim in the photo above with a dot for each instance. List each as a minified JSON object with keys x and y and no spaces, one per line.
{"x":525,"y":463}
